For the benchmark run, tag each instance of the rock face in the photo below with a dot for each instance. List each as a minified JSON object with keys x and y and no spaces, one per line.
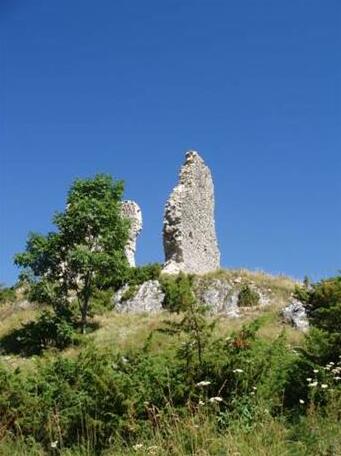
{"x":296,"y":315}
{"x":147,"y":298}
{"x":220,"y":297}
{"x":132,"y":212}
{"x":189,"y":235}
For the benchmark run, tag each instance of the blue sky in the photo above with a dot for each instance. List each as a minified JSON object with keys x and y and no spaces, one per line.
{"x":126,"y":87}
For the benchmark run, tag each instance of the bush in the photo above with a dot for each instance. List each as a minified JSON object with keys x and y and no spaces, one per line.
{"x":248,"y":297}
{"x":178,"y":292}
{"x":7,"y":294}
{"x":323,"y":305}
{"x":48,"y":331}
{"x":141,"y":274}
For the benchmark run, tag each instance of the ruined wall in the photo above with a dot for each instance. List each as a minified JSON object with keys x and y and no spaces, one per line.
{"x":132,"y":212}
{"x":189,"y":235}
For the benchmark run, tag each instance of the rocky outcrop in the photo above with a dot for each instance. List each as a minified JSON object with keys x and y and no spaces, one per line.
{"x":132,"y":212}
{"x":189,"y":235}
{"x":219,"y":296}
{"x":295,"y":314}
{"x":148,"y":297}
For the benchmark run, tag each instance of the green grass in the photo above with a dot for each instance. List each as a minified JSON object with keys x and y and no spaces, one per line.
{"x":182,"y":431}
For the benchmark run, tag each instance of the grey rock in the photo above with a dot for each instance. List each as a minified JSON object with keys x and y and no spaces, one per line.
{"x":295,"y":314}
{"x":189,"y":235}
{"x":220,"y":297}
{"x":132,"y":212}
{"x":147,"y":298}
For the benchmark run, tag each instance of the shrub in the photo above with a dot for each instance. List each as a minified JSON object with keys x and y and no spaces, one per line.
{"x":7,"y":294}
{"x":178,"y":292}
{"x":141,"y":274}
{"x":48,"y":331}
{"x":323,"y":304}
{"x":248,"y":297}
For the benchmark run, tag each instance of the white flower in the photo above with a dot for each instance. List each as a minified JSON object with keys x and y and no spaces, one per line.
{"x":215,"y":399}
{"x":238,"y":370}
{"x":313,"y":384}
{"x":252,"y":393}
{"x":315,"y":371}
{"x":337,"y":378}
{"x":309,"y":379}
{"x":301,"y":401}
{"x":324,"y":386}
{"x":138,"y":446}
{"x":54,"y":444}
{"x":203,"y":383}
{"x":254,"y":388}
{"x":201,"y":402}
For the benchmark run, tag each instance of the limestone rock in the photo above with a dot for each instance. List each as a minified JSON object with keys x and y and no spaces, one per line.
{"x":296,"y":315}
{"x":132,"y":212}
{"x":147,"y":298}
{"x":220,"y":297}
{"x":189,"y":235}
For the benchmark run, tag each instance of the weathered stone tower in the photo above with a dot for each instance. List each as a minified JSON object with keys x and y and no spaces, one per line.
{"x":132,"y":212}
{"x":189,"y":235}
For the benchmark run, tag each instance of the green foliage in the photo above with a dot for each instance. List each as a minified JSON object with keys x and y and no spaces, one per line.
{"x":48,"y":331}
{"x":178,"y":292}
{"x":7,"y":294}
{"x":101,"y":301}
{"x":100,"y":399}
{"x":87,"y":250}
{"x":142,"y":274}
{"x":129,"y":293}
{"x":323,"y":305}
{"x":248,"y":297}
{"x":320,"y":358}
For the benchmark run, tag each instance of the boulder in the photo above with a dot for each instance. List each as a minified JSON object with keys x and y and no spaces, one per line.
{"x":295,"y":314}
{"x":148,"y":297}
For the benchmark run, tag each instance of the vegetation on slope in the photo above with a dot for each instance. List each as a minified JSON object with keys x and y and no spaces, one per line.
{"x":177,"y":383}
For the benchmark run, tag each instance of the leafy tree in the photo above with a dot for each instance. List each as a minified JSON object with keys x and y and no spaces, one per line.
{"x":85,"y":253}
{"x":323,"y":304}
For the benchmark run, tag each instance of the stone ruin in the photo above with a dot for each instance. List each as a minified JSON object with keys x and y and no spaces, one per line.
{"x":132,"y":212}
{"x":189,"y":235}
{"x":190,"y":245}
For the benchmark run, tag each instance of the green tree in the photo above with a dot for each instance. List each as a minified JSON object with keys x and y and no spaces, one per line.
{"x":85,"y":253}
{"x":323,"y":304}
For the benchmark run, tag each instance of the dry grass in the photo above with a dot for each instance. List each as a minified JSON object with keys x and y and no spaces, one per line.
{"x":125,"y":332}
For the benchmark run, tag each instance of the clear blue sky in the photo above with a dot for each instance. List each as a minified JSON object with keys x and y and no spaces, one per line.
{"x":126,"y":87}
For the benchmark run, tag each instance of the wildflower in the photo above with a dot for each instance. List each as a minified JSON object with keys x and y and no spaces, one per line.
{"x":254,"y":388}
{"x":138,"y":446}
{"x":215,"y":399}
{"x":313,"y":384}
{"x":201,"y":402}
{"x":238,"y":370}
{"x":252,"y":393}
{"x":309,"y":379}
{"x":315,"y":371}
{"x":301,"y":401}
{"x":54,"y":444}
{"x":337,"y":378}
{"x":324,"y":386}
{"x":203,"y":383}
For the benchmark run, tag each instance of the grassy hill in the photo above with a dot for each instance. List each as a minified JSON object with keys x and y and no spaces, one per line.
{"x":135,"y":385}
